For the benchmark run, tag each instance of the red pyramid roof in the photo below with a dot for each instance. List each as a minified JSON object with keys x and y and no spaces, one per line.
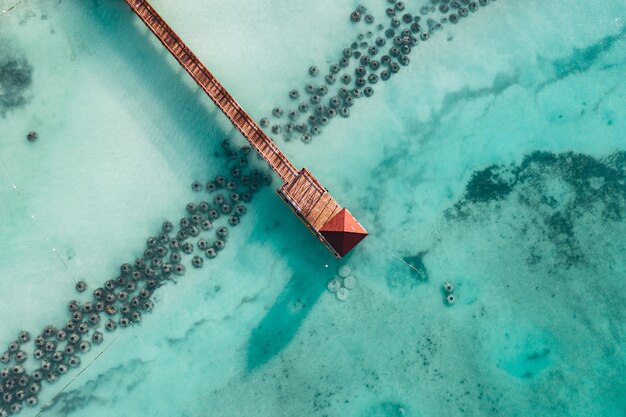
{"x":343,"y":232}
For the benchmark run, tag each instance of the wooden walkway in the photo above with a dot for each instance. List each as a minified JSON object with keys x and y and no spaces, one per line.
{"x":301,"y":190}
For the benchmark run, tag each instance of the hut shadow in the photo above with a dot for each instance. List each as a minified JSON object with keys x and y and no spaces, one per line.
{"x":281,"y":323}
{"x":311,"y":265}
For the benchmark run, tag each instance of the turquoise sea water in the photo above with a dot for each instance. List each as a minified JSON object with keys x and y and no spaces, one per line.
{"x":495,"y":160}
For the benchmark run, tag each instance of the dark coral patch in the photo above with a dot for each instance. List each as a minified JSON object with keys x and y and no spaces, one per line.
{"x":558,"y":189}
{"x":16,"y":76}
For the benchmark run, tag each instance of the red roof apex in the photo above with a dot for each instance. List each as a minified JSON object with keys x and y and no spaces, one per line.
{"x":343,"y":232}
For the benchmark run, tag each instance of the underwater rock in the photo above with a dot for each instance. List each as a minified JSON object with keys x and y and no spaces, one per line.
{"x":450,"y":299}
{"x":344,"y":271}
{"x":333,"y":285}
{"x":197,"y":261}
{"x":342,"y":294}
{"x":24,"y":336}
{"x":196,"y":186}
{"x":81,"y":286}
{"x":221,"y":232}
{"x":349,"y":282}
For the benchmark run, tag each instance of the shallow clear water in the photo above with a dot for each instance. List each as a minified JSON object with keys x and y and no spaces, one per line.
{"x":495,"y":160}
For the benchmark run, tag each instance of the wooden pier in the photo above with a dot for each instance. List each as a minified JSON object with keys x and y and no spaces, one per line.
{"x":332,"y":224}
